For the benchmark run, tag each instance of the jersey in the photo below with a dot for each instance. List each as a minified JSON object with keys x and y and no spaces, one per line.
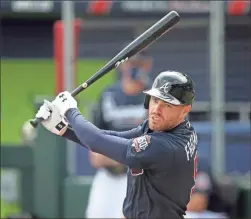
{"x":161,"y":165}
{"x":164,"y":188}
{"x":119,"y":112}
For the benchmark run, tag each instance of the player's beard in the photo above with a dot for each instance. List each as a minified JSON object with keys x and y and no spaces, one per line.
{"x":158,"y":123}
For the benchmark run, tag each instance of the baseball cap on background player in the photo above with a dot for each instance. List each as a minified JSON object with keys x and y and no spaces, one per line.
{"x":173,"y":87}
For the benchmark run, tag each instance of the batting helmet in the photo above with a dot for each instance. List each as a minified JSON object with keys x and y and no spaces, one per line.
{"x":173,"y":87}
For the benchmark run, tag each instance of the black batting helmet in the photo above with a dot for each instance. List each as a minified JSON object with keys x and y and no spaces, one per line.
{"x":173,"y":87}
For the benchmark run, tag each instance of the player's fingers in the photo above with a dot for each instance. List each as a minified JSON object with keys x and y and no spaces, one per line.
{"x":49,"y":105}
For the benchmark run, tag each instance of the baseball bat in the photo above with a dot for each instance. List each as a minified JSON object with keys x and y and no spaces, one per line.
{"x":144,"y":40}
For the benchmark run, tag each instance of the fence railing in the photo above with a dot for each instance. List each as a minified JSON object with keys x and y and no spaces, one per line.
{"x":238,"y":111}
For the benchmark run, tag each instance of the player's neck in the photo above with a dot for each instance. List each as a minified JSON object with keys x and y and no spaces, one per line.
{"x":173,"y":126}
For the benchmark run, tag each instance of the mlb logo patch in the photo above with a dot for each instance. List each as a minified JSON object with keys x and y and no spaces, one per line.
{"x":141,"y":143}
{"x":60,"y":126}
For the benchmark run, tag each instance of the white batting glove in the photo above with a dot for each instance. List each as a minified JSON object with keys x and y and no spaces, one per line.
{"x":53,"y":121}
{"x":64,"y":101}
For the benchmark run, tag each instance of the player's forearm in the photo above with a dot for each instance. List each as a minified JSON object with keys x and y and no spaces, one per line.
{"x":133,"y":133}
{"x":70,"y":134}
{"x":111,"y":146}
{"x":99,"y":160}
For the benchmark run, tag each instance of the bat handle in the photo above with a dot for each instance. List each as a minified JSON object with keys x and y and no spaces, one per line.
{"x":35,"y":122}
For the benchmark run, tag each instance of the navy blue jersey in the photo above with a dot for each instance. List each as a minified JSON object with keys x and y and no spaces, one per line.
{"x":161,"y":165}
{"x":166,"y":179}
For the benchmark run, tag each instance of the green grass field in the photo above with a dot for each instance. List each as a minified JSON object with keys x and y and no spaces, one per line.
{"x":22,"y":80}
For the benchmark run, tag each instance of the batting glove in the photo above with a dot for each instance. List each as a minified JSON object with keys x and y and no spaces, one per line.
{"x":53,"y":121}
{"x":64,"y":101}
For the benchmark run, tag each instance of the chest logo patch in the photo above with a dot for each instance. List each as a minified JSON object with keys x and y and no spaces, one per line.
{"x":136,"y":172}
{"x":141,"y":143}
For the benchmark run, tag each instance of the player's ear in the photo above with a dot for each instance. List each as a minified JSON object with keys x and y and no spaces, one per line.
{"x":186,"y":109}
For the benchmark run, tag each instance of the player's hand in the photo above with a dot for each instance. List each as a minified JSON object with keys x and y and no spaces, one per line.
{"x":53,"y":121}
{"x":64,"y":101}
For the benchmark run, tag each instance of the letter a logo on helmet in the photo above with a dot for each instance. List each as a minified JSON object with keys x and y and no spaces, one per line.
{"x":166,"y":87}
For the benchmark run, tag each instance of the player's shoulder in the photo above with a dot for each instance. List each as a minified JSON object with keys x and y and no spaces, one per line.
{"x":184,"y":130}
{"x":185,"y":127}
{"x":178,"y":136}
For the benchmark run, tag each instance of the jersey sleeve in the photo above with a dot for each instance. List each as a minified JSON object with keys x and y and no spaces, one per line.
{"x":163,"y":150}
{"x":133,"y":133}
{"x":117,"y":148}
{"x":154,"y":150}
{"x":70,"y":135}
{"x":150,"y":151}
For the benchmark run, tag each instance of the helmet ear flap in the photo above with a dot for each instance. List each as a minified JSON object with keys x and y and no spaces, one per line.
{"x":146,"y":102}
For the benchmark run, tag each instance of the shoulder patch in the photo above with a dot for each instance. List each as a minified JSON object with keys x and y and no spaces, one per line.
{"x":141,"y":143}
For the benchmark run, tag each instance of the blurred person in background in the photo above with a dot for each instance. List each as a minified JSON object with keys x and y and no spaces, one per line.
{"x":207,"y":201}
{"x":120,"y":108}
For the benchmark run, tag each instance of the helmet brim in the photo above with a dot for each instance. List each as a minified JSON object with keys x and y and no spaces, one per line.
{"x":167,"y":98}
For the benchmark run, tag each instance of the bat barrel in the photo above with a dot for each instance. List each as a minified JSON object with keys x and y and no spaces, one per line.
{"x":154,"y":32}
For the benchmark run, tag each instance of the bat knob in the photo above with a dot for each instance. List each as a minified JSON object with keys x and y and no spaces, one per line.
{"x":35,"y":122}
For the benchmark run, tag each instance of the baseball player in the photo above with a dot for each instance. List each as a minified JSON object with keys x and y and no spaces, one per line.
{"x":120,"y":108}
{"x":160,"y":153}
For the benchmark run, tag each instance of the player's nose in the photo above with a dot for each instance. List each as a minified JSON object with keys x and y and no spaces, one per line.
{"x":158,"y":108}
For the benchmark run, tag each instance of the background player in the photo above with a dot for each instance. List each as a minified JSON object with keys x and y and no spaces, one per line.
{"x":120,"y":108}
{"x":160,"y":154}
{"x":207,"y":201}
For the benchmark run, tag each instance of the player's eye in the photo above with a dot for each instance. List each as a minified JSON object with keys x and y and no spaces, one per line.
{"x":168,"y":105}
